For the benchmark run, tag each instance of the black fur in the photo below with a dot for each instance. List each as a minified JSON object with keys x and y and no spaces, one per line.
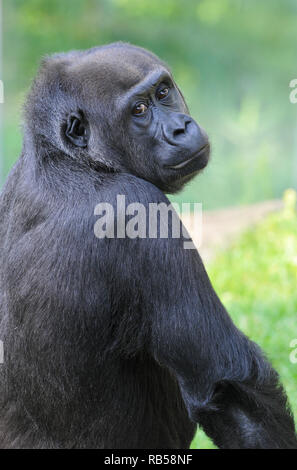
{"x":115,"y":343}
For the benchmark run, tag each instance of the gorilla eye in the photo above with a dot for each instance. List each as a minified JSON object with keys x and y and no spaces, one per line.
{"x":140,"y":109}
{"x":162,"y":93}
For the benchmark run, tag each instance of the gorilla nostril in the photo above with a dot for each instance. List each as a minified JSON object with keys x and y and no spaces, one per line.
{"x":177,"y":132}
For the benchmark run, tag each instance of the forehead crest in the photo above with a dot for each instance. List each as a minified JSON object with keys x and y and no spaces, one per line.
{"x":109,"y":67}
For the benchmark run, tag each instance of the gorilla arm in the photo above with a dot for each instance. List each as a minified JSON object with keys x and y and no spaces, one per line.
{"x":227,"y":384}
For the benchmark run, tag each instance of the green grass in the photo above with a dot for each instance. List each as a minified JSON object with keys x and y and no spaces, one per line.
{"x":256,"y":278}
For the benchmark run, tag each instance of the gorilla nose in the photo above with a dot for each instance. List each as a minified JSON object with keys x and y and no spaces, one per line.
{"x":176,"y":128}
{"x":181,"y":128}
{"x":182,"y":131}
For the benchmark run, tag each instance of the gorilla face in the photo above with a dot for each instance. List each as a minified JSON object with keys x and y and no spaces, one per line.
{"x":159,"y":121}
{"x":121,"y":108}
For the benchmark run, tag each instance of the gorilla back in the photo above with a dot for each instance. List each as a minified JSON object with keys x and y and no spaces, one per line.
{"x":117,"y":342}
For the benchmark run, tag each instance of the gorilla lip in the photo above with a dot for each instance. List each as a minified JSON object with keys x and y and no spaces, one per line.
{"x":181,"y":165}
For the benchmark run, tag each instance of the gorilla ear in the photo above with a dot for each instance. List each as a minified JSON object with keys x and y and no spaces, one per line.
{"x":76,"y":130}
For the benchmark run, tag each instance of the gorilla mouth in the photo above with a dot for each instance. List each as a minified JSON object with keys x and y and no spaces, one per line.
{"x":204,"y":151}
{"x":183,"y":164}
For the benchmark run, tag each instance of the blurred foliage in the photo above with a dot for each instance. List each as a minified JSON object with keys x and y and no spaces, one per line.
{"x":256,"y":279}
{"x":234,"y":60}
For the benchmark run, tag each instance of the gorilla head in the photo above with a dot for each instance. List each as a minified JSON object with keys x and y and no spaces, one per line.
{"x":117,"y":107}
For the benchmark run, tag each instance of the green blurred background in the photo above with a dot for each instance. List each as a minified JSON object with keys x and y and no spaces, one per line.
{"x":234,"y":60}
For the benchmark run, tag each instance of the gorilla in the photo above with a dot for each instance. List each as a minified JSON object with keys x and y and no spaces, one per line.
{"x":117,"y":342}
